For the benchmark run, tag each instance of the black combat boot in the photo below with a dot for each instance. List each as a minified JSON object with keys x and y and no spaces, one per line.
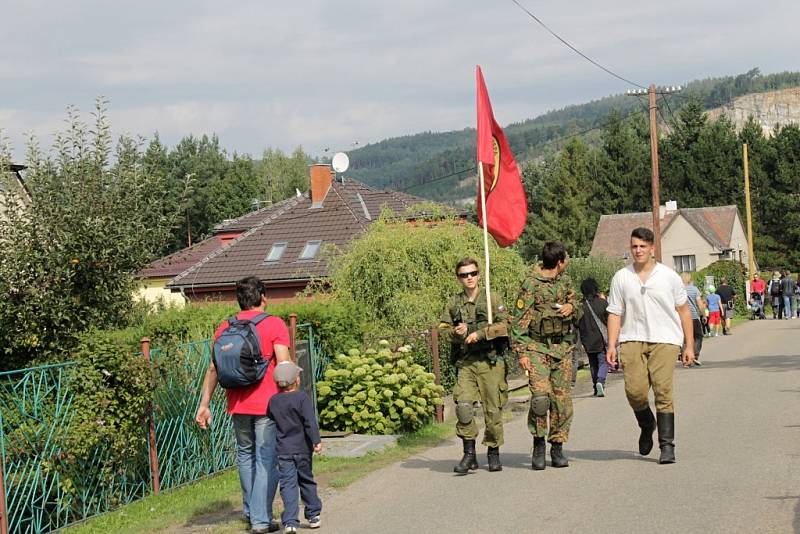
{"x":537,"y":459}
{"x":469,"y":460}
{"x":648,"y":425}
{"x":666,"y":435}
{"x":557,"y":458}
{"x":494,"y":459}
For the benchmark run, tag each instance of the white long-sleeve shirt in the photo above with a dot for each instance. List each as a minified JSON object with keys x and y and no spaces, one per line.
{"x":648,"y":309}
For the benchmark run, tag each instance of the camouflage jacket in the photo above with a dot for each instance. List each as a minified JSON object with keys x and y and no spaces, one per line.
{"x":460,"y":309}
{"x":535,"y":307}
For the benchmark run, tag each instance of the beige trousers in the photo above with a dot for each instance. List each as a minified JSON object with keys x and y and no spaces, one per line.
{"x":647,"y":365}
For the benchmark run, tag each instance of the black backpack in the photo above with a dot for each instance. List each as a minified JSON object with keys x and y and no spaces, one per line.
{"x":775,"y":288}
{"x":237,"y":353}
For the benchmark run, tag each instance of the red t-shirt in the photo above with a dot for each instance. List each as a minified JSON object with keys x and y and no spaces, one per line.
{"x":253,"y":400}
{"x":758,"y":286}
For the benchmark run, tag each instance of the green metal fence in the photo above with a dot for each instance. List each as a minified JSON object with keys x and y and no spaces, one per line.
{"x":47,"y":488}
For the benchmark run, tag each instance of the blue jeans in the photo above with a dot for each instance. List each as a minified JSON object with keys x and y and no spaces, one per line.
{"x":295,"y":470}
{"x":787,"y":306}
{"x":258,"y":472}
{"x":598,"y":366}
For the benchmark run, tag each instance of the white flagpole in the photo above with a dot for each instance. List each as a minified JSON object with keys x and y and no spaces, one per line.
{"x":485,"y":240}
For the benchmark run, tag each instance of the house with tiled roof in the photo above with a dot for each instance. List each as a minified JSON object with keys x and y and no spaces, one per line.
{"x":691,"y":238}
{"x":282,"y":245}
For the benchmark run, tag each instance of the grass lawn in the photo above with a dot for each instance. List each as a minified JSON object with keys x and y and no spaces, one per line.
{"x":216,"y":501}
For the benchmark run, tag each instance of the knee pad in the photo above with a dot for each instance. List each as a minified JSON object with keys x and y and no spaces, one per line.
{"x":465,"y":411}
{"x":540,"y":404}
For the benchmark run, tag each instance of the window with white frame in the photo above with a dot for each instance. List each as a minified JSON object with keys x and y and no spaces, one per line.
{"x":275,"y":252}
{"x":685,"y":264}
{"x":311,"y":250}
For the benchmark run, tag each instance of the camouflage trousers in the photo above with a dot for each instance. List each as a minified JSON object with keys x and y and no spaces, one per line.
{"x":479,"y":380}
{"x":551,"y":374}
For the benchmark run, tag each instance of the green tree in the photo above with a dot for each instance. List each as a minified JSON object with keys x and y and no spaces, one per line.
{"x":236,"y":192}
{"x":284,"y":175}
{"x":67,"y":255}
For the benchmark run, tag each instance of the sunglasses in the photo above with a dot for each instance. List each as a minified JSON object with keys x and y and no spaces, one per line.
{"x":470,"y":274}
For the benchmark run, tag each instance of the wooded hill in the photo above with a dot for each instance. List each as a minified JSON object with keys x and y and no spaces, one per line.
{"x":440,"y":166}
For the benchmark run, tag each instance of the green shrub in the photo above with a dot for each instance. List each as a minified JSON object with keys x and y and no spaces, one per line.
{"x":377,"y":391}
{"x":601,"y":268}
{"x":736,"y":274}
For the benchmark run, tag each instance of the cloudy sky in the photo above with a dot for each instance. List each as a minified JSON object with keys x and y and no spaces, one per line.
{"x":331,"y":73}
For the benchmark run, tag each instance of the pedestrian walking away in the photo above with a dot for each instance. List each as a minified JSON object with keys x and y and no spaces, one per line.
{"x":697,"y":309}
{"x":714,"y":304}
{"x":649,"y":315}
{"x":787,"y":289}
{"x":542,"y":335}
{"x":478,"y":354}
{"x":247,"y":405}
{"x":298,"y":439}
{"x":776,"y":295}
{"x":728,"y":297}
{"x":594,"y":333}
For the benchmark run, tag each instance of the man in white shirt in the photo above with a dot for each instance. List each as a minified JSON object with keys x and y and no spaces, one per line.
{"x":648,"y":301}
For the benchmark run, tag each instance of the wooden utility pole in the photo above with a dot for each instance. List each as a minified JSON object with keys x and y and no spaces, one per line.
{"x":656,"y":186}
{"x":655,"y":182}
{"x":751,"y":262}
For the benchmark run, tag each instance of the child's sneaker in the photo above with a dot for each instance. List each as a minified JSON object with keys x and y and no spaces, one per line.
{"x":315,"y":522}
{"x":289,"y":530}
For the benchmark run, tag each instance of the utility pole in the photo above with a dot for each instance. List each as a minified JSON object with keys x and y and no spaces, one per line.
{"x":655,"y":183}
{"x":751,"y":262}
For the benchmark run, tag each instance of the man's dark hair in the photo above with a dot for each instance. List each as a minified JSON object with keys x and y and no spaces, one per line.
{"x":645,"y":234}
{"x":589,"y":288}
{"x":467,"y":261}
{"x":249,"y":291}
{"x":552,"y":253}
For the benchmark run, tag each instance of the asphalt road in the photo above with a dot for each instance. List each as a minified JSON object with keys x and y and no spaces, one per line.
{"x":737,"y":445}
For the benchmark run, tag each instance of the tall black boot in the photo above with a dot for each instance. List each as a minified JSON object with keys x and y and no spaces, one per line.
{"x":537,"y":459}
{"x":493,"y":455}
{"x":557,"y":458}
{"x":648,"y":425}
{"x":666,"y":437}
{"x":469,"y":461}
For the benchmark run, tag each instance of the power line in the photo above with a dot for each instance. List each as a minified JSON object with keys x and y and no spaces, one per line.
{"x":584,"y":56}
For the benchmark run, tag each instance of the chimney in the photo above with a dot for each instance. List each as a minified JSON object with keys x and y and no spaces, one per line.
{"x":321,"y":179}
{"x":671,"y":206}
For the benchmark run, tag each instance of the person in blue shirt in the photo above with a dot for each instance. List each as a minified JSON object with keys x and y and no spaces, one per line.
{"x":714,"y":304}
{"x":298,"y":438}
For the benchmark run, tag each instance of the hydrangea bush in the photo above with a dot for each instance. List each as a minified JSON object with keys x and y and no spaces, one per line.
{"x":377,"y":391}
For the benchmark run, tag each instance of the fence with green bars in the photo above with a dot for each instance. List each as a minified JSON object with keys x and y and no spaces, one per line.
{"x":43,"y":487}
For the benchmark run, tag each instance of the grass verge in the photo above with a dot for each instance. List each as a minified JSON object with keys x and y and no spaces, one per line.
{"x":217,"y":500}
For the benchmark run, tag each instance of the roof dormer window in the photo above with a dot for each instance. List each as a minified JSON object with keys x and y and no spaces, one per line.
{"x":311,"y":250}
{"x":275,"y":252}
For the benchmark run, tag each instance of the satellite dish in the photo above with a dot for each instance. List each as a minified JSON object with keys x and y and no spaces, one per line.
{"x":340,"y":162}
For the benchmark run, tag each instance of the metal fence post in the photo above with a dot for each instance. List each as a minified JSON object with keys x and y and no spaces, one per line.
{"x":437,"y":372}
{"x":293,"y":336}
{"x":3,"y":515}
{"x":154,"y":477}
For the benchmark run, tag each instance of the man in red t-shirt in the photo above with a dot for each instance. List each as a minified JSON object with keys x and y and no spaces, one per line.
{"x":759,"y":286}
{"x":255,"y":432}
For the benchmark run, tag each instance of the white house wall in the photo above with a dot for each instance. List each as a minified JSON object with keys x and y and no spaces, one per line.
{"x":681,"y":239}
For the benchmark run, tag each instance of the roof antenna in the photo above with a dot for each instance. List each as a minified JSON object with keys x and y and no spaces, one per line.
{"x":340,"y":163}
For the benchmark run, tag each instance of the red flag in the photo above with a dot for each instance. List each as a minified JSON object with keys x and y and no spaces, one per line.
{"x":506,"y":206}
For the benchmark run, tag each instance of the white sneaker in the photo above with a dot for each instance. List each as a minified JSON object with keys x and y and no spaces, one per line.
{"x":315,"y":522}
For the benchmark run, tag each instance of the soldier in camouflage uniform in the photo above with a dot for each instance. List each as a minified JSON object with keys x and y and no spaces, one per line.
{"x":478,"y":355}
{"x":542,"y":336}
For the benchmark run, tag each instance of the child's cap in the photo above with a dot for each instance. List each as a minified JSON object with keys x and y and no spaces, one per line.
{"x":286,"y":372}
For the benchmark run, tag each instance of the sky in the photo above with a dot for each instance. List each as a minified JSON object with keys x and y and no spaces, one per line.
{"x":339,"y":74}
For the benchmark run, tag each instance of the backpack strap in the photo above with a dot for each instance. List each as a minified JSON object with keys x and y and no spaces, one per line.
{"x":258,"y":318}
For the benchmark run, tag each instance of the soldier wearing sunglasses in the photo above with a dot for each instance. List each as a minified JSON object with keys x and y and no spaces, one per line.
{"x":477,"y":352}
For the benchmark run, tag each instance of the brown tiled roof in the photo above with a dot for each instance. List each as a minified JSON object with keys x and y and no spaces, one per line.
{"x":342,"y":217}
{"x":177,"y":262}
{"x":254,"y":218}
{"x":613,"y":232}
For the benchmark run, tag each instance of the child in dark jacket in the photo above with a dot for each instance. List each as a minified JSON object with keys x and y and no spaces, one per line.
{"x":298,"y":438}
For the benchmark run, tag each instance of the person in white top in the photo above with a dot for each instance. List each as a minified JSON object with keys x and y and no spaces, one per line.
{"x":648,"y":314}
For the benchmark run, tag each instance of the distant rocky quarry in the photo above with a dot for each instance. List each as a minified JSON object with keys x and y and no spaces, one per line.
{"x":769,"y":109}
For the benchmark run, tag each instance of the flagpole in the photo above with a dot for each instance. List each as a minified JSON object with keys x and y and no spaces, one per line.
{"x":485,"y":240}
